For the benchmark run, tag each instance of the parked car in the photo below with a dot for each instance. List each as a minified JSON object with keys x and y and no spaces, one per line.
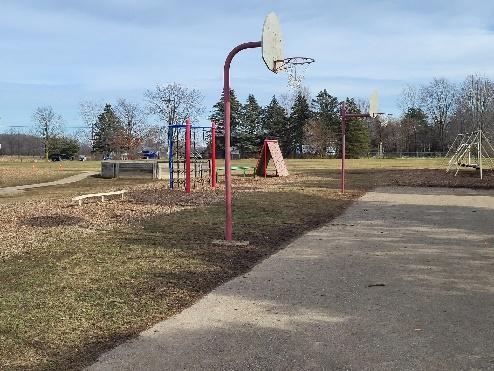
{"x":82,"y":158}
{"x":59,"y":157}
{"x":150,"y":155}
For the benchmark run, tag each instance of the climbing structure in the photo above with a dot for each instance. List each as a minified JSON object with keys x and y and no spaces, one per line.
{"x":271,"y":150}
{"x":471,"y":150}
{"x":185,"y":164}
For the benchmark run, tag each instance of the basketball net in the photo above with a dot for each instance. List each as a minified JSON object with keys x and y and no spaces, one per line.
{"x":295,"y":68}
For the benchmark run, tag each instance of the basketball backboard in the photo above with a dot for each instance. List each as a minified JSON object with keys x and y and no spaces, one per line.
{"x":272,"y":42}
{"x":374,"y":103}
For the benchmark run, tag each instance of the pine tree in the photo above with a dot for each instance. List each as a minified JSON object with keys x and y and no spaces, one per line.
{"x":357,"y":133}
{"x":326,"y":109}
{"x":250,"y":127}
{"x":108,"y":132}
{"x":275,"y":124}
{"x":415,"y":129}
{"x":218,"y":116}
{"x":298,"y":120}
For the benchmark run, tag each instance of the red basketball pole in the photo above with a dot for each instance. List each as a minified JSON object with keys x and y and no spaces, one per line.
{"x":343,"y":146}
{"x":226,"y":97}
{"x":213,"y":155}
{"x":187,"y":155}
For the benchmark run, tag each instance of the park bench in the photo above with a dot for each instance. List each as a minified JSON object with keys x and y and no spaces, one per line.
{"x":102,"y":195}
{"x":243,"y":169}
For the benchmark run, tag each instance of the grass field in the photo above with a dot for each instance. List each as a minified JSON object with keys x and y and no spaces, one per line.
{"x":15,"y":173}
{"x":75,"y":281}
{"x":19,"y":173}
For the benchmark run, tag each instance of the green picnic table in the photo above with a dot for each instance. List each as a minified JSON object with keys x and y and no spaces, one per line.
{"x":244,"y":170}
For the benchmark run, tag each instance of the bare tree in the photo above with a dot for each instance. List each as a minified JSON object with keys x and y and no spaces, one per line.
{"x":476,"y":99}
{"x":89,"y":113}
{"x":319,"y":137}
{"x":439,"y":100}
{"x":409,"y":98}
{"x":48,"y":125}
{"x":174,"y":103}
{"x":133,"y":119}
{"x":288,"y":99}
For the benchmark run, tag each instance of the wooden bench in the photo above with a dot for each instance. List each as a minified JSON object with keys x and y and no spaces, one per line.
{"x":102,"y":195}
{"x":244,"y":170}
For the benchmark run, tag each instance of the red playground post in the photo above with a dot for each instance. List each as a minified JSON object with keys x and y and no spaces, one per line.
{"x":187,"y":156}
{"x":213,"y":154}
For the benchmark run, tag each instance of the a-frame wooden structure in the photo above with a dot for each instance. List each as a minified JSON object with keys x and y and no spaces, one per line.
{"x":271,"y":150}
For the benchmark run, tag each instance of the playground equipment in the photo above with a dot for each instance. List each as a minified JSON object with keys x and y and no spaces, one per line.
{"x":271,"y":150}
{"x":345,"y":116}
{"x":471,"y":150}
{"x":272,"y":54}
{"x":182,"y":155}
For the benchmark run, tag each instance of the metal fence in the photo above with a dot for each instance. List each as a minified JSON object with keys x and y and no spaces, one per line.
{"x":407,"y":154}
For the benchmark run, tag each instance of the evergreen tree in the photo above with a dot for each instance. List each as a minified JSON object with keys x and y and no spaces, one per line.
{"x":299,"y":118}
{"x":275,"y":124}
{"x":326,"y":109}
{"x":357,"y":133}
{"x":108,"y":132}
{"x":218,"y":116}
{"x":415,"y":129}
{"x":64,"y":145}
{"x":250,"y":127}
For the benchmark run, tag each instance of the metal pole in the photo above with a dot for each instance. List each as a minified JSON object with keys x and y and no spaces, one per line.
{"x":480,"y":152}
{"x":213,"y":155}
{"x":170,"y":155}
{"x":265,"y":157}
{"x":187,"y":156}
{"x":343,"y":146}
{"x":226,"y":97}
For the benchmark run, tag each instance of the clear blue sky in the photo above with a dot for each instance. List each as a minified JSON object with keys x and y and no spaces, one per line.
{"x":59,"y":52}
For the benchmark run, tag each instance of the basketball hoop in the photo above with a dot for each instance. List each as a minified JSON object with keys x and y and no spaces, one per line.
{"x":295,"y":67}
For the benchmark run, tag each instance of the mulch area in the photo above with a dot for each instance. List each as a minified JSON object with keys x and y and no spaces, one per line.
{"x":437,"y":178}
{"x":33,"y":224}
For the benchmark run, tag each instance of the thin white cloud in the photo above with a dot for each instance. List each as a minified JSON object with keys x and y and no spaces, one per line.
{"x":111,"y":48}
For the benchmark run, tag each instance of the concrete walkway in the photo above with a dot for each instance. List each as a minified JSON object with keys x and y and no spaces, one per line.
{"x":404,"y":280}
{"x":10,"y":191}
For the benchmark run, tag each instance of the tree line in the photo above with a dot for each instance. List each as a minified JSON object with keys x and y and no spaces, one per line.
{"x":303,"y":126}
{"x":431,"y":116}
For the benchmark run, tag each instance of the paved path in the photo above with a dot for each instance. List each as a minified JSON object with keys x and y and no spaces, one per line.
{"x":404,"y":280}
{"x":7,"y":191}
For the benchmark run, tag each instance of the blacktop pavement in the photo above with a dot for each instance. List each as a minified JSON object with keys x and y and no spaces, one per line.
{"x":404,"y":280}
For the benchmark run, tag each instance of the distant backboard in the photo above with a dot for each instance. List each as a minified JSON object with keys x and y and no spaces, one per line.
{"x":374,"y":103}
{"x":272,"y":42}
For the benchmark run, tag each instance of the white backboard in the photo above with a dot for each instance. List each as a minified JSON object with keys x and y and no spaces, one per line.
{"x":374,"y":103}
{"x":272,"y":42}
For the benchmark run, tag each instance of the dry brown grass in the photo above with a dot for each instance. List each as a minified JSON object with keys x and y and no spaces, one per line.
{"x":75,"y":281}
{"x":14,"y":173}
{"x":15,"y":176}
